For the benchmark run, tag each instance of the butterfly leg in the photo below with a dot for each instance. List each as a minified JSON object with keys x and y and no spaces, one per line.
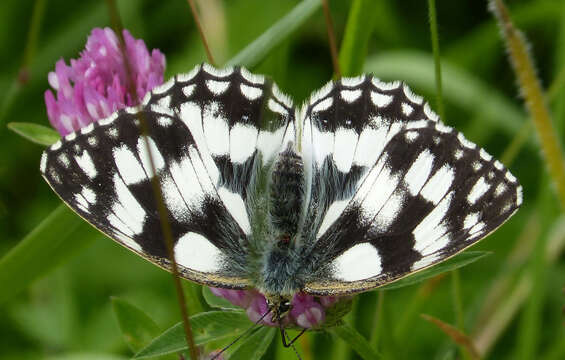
{"x":284,"y":337}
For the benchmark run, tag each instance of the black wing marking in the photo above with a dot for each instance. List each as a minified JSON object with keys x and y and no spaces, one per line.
{"x":103,"y":171}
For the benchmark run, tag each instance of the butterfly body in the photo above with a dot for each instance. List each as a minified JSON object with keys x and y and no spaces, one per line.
{"x":361,"y":186}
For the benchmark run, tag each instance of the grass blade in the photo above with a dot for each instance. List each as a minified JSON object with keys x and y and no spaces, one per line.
{"x":136,"y":326}
{"x":356,"y":341}
{"x":358,"y":30}
{"x":251,"y":55}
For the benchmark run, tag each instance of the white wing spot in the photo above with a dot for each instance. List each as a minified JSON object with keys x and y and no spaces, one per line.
{"x":407,"y":109}
{"x":438,"y":185}
{"x":217,"y":87}
{"x":500,"y":189}
{"x":243,"y":139}
{"x":164,"y":87}
{"x":269,"y":142}
{"x":334,"y":212}
{"x":188,"y":76}
{"x":411,"y":96}
{"x":351,"y":96}
{"x":235,"y":205}
{"x":360,"y":262}
{"x":217,"y":72}
{"x":484,"y":155}
{"x":380,"y":100}
{"x":353,"y":81}
{"x":430,"y":234}
{"x":64,"y":159}
{"x":108,"y":120}
{"x":411,"y":136}
{"x":127,"y":164}
{"x":86,"y":164}
{"x":89,"y":195}
{"x":188,"y":90}
{"x":216,"y":130}
{"x":156,"y":156}
{"x":498,"y":165}
{"x":195,"y":252}
{"x":471,"y":220}
{"x":477,"y":165}
{"x":344,"y":148}
{"x":381,"y":85}
{"x":87,"y":129}
{"x":466,"y":143}
{"x":419,"y":172}
{"x":430,"y":113}
{"x":164,"y":121}
{"x":113,"y":132}
{"x":478,"y":190}
{"x":252,"y":78}
{"x":418,"y":124}
{"x":163,"y":106}
{"x":43,"y":162}
{"x":322,"y":93}
{"x":442,"y":128}
{"x":458,"y":154}
{"x":277,"y":108}
{"x":92,"y":141}
{"x":127,"y":208}
{"x":323,"y":105}
{"x":519,"y":196}
{"x":510,"y":177}
{"x":57,"y":145}
{"x":251,"y":92}
{"x":280,"y":96}
{"x":71,"y":136}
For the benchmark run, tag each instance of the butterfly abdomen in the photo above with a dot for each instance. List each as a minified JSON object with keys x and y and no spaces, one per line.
{"x":287,"y":193}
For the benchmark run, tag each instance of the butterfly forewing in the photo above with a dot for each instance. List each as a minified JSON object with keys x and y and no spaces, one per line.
{"x":209,"y":132}
{"x":393,"y":190}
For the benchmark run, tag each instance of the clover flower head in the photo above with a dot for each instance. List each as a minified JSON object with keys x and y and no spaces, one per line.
{"x":96,"y":84}
{"x":307,"y":311}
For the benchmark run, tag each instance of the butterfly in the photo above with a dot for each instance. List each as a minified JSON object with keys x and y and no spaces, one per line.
{"x":359,"y":187}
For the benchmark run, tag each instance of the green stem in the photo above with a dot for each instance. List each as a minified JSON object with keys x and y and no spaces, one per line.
{"x":437,"y":60}
{"x":531,"y":89}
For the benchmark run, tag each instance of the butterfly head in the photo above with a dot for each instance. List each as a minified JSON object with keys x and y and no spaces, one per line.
{"x":279,"y":306}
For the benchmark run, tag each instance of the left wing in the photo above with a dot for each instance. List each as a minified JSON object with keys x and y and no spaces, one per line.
{"x":392,"y":189}
{"x":209,"y":133}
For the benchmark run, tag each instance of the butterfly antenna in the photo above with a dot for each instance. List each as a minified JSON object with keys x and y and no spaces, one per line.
{"x":284,"y":336}
{"x":251,"y":328}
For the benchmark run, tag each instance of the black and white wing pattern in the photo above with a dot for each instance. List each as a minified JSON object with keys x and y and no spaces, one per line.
{"x":208,"y":132}
{"x":392,"y":190}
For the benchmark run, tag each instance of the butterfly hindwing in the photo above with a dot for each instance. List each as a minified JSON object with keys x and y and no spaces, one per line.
{"x":209,"y":131}
{"x":413,"y":194}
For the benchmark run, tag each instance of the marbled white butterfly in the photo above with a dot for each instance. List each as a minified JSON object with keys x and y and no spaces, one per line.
{"x":359,"y":187}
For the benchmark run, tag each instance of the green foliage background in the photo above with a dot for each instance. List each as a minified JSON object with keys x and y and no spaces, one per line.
{"x":56,"y":289}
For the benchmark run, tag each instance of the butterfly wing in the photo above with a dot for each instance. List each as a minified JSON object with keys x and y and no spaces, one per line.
{"x":393,"y":190}
{"x":209,"y":132}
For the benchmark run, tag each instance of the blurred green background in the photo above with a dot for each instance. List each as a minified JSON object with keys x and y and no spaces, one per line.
{"x":509,"y":303}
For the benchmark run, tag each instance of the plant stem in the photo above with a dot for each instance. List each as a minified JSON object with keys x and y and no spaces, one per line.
{"x":156,"y":187}
{"x":331,"y":37}
{"x":531,"y":90}
{"x":437,"y":60}
{"x":201,"y":32}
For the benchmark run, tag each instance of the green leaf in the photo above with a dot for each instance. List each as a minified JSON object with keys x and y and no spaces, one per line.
{"x":216,"y":301}
{"x":136,"y":326}
{"x":253,"y":53}
{"x":358,"y":30}
{"x":356,"y":341}
{"x":465,"y":258}
{"x":36,"y":133}
{"x":55,"y":239}
{"x":206,"y":327}
{"x":86,"y":356}
{"x":255,"y":346}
